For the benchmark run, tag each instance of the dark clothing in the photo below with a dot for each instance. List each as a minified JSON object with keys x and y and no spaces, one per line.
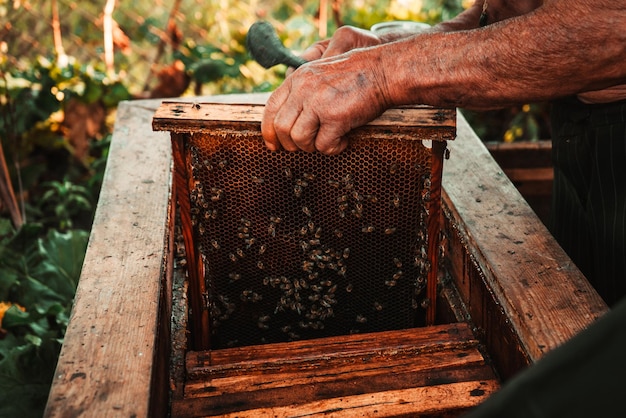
{"x":583,"y":378}
{"x":588,"y":214}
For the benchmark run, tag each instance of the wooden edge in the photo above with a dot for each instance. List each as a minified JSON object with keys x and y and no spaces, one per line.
{"x":398,"y":123}
{"x":108,"y":364}
{"x":545,"y":297}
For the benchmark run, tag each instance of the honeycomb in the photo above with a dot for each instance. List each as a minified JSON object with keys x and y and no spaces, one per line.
{"x":302,"y":245}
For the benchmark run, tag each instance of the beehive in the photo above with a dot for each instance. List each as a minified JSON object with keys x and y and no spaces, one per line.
{"x":284,"y":246}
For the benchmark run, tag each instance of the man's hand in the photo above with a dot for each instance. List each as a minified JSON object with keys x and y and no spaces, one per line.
{"x":346,"y":38}
{"x":349,"y":92}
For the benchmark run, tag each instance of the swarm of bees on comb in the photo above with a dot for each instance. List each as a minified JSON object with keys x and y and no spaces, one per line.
{"x":302,"y":245}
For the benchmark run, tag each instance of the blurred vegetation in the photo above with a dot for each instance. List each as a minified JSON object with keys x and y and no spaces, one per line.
{"x":64,"y":67}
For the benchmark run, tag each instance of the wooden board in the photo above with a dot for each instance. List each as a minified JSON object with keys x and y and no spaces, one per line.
{"x":351,"y":373}
{"x":529,"y":167}
{"x":111,"y":362}
{"x":406,"y":123}
{"x":529,"y":284}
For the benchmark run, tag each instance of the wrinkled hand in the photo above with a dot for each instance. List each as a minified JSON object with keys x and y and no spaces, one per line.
{"x":346,"y":38}
{"x":327,"y":97}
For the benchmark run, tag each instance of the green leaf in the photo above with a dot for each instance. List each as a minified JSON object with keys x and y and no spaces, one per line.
{"x":62,"y":260}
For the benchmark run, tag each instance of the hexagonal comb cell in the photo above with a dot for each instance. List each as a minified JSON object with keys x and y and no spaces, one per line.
{"x":296,"y":245}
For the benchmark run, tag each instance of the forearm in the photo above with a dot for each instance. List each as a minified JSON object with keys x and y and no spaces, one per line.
{"x":527,"y":58}
{"x":496,"y":11}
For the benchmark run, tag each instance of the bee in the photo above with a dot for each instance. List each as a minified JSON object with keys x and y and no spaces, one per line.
{"x":368,"y":229}
{"x":390,"y":283}
{"x":240,"y":253}
{"x":371,"y":198}
{"x":425,"y":303}
{"x":307,"y":266}
{"x":306,"y":211}
{"x":397,"y":262}
{"x":234,"y":276}
{"x":397,"y":275}
{"x":396,"y":201}
{"x":215,"y":244}
{"x":378,"y":306}
{"x":260,"y":265}
{"x":262,"y":249}
{"x":258,"y":180}
{"x":393,"y":169}
{"x":333,"y":183}
{"x":338,"y":233}
{"x":314,"y":297}
{"x":287,"y":172}
{"x":349,"y":287}
{"x":271,"y":230}
{"x":389,"y":231}
{"x":361,"y":319}
{"x":222,"y":163}
{"x":297,"y":190}
{"x":232,"y":257}
{"x":346,"y":253}
{"x":309,"y":176}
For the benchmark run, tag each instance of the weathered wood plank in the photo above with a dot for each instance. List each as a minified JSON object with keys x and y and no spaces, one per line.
{"x":535,"y":286}
{"x":407,"y":123}
{"x":419,"y":339}
{"x":429,"y":401}
{"x":316,"y":372}
{"x":306,"y":371}
{"x":107,"y":363}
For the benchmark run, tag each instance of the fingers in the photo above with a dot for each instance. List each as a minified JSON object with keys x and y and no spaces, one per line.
{"x":288,"y":126}
{"x":273,"y":105}
{"x":283,"y":127}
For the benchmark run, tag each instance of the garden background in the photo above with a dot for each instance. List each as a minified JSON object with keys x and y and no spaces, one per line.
{"x":64,"y":67}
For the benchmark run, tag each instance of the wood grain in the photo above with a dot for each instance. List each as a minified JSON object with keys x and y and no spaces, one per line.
{"x":540,"y":292}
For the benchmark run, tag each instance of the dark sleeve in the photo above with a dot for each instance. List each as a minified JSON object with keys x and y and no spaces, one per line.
{"x":585,"y":377}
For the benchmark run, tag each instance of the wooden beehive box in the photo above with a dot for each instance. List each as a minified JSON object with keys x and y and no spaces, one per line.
{"x":311,"y":276}
{"x":504,"y":286}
